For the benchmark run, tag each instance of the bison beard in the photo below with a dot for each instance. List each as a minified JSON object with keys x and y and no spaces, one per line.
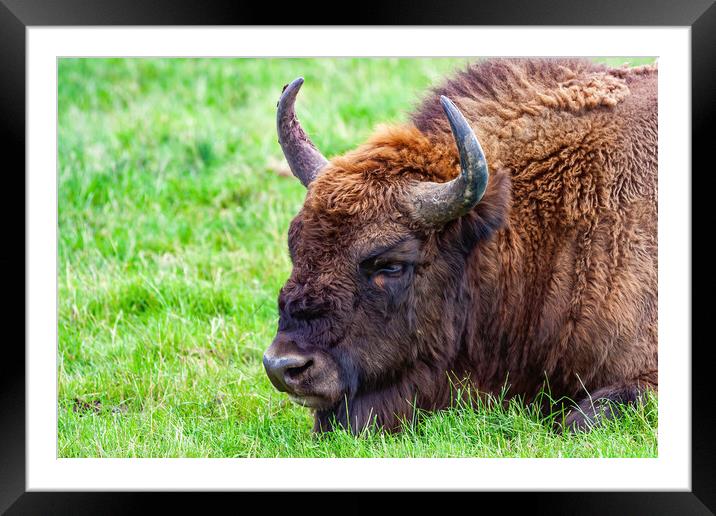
{"x":412,"y":270}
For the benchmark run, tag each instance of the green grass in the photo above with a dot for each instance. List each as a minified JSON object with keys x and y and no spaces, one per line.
{"x":173,"y":212}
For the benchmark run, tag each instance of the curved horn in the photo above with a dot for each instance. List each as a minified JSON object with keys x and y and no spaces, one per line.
{"x":303,"y":158}
{"x":437,"y":203}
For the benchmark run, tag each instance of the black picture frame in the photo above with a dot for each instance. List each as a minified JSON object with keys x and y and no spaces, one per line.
{"x":17,"y":15}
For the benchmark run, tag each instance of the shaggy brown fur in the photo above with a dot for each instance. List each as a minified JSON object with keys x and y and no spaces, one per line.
{"x":552,"y":278}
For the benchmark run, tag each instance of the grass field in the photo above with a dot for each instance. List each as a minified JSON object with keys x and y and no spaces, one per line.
{"x":173,"y":210}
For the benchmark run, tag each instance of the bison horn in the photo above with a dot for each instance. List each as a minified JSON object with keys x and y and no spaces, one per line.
{"x":437,"y":203}
{"x":303,"y":158}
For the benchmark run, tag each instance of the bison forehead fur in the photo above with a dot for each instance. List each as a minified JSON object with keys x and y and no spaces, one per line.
{"x":551,"y":278}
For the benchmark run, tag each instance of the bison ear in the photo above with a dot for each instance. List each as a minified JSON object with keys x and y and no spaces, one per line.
{"x":489,"y":215}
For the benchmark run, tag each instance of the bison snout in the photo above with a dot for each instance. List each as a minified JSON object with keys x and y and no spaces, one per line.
{"x":288,"y":371}
{"x":311,"y":377}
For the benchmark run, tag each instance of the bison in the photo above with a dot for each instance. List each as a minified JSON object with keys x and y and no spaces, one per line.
{"x":506,"y":235}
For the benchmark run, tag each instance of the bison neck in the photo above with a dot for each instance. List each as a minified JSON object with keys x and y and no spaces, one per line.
{"x":507,"y":343}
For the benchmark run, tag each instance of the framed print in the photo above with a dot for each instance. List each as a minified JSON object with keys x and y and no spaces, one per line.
{"x":423,"y":252}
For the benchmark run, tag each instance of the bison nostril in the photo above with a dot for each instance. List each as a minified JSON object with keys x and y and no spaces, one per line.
{"x":294,"y":373}
{"x":286,"y":371}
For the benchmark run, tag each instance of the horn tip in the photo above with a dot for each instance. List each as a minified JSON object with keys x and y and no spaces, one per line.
{"x":450,"y":109}
{"x":296,"y":83}
{"x":292,"y":87}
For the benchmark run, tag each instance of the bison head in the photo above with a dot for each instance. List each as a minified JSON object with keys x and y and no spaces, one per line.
{"x":372,"y":317}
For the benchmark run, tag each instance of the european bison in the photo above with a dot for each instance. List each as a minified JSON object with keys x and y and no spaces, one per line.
{"x":508,"y":233}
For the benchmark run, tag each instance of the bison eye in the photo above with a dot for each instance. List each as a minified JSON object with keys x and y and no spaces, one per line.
{"x":390,"y":269}
{"x":383,"y":267}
